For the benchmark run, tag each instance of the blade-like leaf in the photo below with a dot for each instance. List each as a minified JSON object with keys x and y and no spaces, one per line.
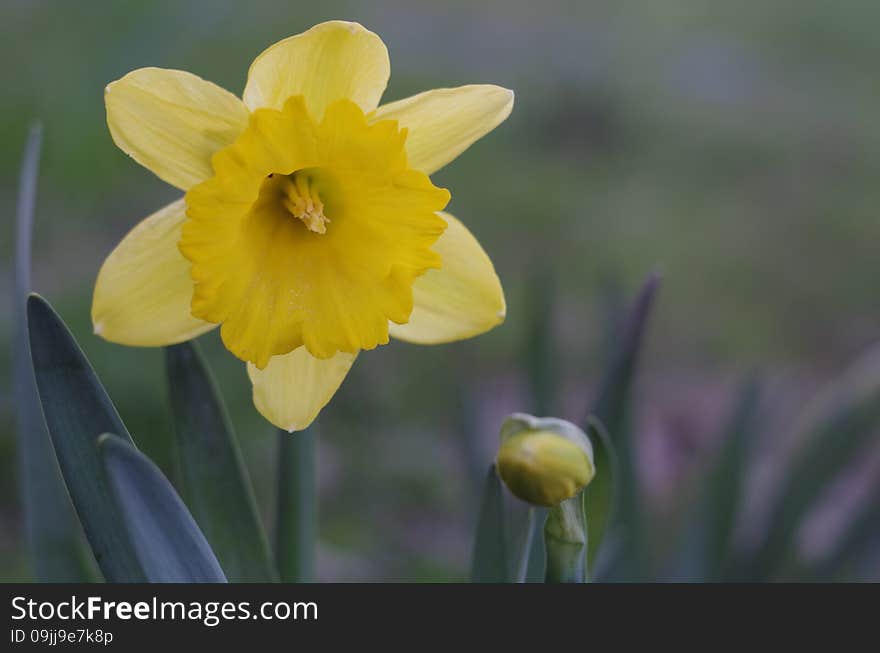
{"x":613,"y":411}
{"x":296,"y":525}
{"x":833,"y":431}
{"x":77,"y":410}
{"x":536,"y":563}
{"x":169,"y":544}
{"x":54,"y":536}
{"x":599,"y":495}
{"x":540,"y":359}
{"x":704,"y":551}
{"x":525,"y":553}
{"x":726,"y":483}
{"x":539,"y":352}
{"x":490,"y":563}
{"x":215,"y":482}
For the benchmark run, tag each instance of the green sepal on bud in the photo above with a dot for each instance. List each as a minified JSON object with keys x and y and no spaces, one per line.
{"x":544,"y":460}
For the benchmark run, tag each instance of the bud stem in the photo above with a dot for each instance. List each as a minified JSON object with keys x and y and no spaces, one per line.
{"x":565,"y":539}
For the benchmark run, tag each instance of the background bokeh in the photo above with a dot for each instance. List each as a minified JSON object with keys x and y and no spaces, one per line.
{"x":732,"y":146}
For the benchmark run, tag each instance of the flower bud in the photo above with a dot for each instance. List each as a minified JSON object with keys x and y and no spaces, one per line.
{"x":544,"y":461}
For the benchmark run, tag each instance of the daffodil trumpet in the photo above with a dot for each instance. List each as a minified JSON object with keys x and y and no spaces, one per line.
{"x":309,"y":229}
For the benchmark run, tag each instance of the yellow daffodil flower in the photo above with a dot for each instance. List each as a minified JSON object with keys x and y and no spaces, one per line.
{"x":309,"y":229}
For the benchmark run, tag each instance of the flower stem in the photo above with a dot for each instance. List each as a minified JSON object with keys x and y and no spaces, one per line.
{"x":296,"y":525}
{"x":565,"y":539}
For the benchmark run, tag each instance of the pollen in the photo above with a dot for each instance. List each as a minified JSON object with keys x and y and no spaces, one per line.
{"x":301,"y":199}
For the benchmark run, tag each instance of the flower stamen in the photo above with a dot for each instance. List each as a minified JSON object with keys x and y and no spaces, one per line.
{"x":301,"y":198}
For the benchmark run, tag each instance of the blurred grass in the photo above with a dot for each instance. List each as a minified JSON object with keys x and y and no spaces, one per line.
{"x":733,"y":145}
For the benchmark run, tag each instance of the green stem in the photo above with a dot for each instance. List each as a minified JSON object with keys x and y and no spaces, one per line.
{"x":565,"y":539}
{"x":296,"y":526}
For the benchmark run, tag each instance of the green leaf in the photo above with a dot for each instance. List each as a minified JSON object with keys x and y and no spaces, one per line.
{"x":525,"y":552}
{"x":540,"y":360}
{"x":77,"y":410}
{"x":705,"y":550}
{"x":727,"y":480}
{"x":54,"y":536}
{"x":612,"y":409}
{"x":537,"y":553}
{"x":565,"y":536}
{"x":599,"y":495}
{"x":169,"y":544}
{"x":296,"y":525}
{"x":540,"y":352}
{"x":833,"y":432}
{"x":490,"y":564}
{"x":214,"y":479}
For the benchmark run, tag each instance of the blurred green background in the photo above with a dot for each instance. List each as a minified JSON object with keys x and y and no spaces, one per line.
{"x":733,"y":147}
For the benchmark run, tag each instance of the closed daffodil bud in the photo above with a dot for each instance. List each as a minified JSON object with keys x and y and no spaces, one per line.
{"x":544,"y":461}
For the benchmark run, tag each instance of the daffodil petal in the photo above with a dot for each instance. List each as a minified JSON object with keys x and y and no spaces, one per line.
{"x":331,"y":61}
{"x":462,"y":299}
{"x":171,"y":122}
{"x":143,"y":292}
{"x":444,"y":122}
{"x":292,"y":389}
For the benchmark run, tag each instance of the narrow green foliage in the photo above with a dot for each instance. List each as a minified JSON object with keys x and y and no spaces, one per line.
{"x":296,"y":529}
{"x":541,"y":358}
{"x":215,"y":482}
{"x":536,"y":564}
{"x":541,"y":362}
{"x":726,"y":482}
{"x":833,"y":432}
{"x":612,"y":408}
{"x":167,"y":541}
{"x":599,"y":495}
{"x":490,"y":563}
{"x":705,"y":549}
{"x":78,"y":410}
{"x":522,"y":565}
{"x":54,"y":536}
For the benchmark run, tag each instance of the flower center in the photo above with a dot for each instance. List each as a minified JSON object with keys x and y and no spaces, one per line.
{"x":300,"y":197}
{"x":268,"y":263}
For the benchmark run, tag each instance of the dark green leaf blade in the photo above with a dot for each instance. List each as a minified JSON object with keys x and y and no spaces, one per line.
{"x":296,"y":528}
{"x":727,"y":480}
{"x":215,"y":481}
{"x":57,"y":550}
{"x":169,"y":544}
{"x":490,"y":564}
{"x":612,"y":409}
{"x":705,"y":549}
{"x":599,"y":495}
{"x":77,"y":410}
